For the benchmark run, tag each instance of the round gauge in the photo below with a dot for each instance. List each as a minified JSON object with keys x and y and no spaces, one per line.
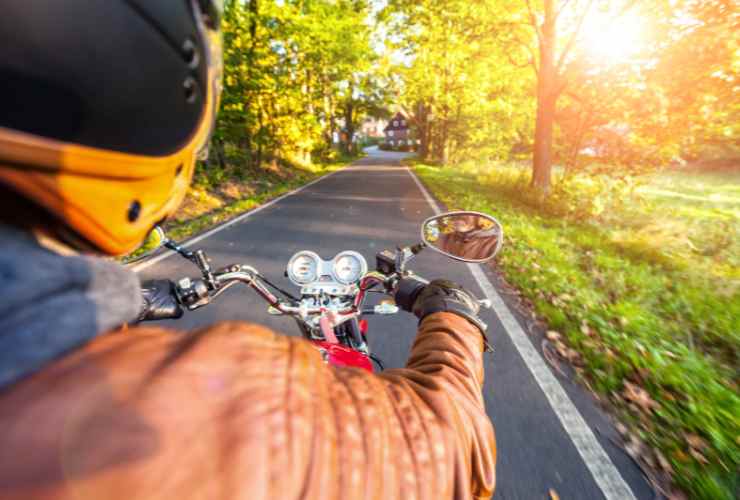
{"x":349,"y":267}
{"x":303,"y":268}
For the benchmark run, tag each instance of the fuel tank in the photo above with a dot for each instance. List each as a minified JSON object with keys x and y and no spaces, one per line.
{"x":339,"y":355}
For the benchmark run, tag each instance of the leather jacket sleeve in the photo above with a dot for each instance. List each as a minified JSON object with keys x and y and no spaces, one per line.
{"x":235,"y":411}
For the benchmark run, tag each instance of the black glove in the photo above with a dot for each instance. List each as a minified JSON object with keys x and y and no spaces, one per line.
{"x":159,"y":301}
{"x":439,"y":296}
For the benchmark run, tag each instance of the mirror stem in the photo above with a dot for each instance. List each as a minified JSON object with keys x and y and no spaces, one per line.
{"x":418,"y":248}
{"x":177,"y":248}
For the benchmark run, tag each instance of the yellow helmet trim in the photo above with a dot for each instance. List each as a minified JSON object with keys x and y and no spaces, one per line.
{"x":112,"y":199}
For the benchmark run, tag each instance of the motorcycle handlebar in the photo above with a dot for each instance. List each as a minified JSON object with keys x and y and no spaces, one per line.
{"x":194,"y":294}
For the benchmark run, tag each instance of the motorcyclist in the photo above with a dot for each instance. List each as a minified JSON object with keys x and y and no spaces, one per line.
{"x":469,"y":236}
{"x":103,"y":110}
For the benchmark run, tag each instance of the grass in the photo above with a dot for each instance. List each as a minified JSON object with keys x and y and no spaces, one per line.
{"x":640,"y":277}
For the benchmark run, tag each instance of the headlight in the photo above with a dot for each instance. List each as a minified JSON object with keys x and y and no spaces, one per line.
{"x":349,"y":267}
{"x":303,"y":268}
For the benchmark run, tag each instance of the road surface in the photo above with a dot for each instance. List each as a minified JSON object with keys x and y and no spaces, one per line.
{"x":549,"y":432}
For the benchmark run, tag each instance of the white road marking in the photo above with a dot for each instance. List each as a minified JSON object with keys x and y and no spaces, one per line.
{"x":606,"y":475}
{"x":159,"y":258}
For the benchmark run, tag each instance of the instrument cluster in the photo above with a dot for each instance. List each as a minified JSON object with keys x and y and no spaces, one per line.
{"x":306,"y":268}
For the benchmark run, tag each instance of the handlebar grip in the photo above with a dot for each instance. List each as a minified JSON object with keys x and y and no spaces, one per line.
{"x":407,"y":291}
{"x":159,"y":301}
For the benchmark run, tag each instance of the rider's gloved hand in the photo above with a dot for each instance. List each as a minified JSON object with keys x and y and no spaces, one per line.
{"x":438,"y":296}
{"x":159,"y":301}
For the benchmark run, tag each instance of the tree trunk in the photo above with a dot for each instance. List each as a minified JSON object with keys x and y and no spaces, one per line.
{"x":546,"y":101}
{"x":423,"y":126}
{"x":349,"y":126}
{"x":220,"y":154}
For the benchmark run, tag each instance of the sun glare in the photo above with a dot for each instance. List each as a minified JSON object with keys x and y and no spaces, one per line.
{"x":609,"y":40}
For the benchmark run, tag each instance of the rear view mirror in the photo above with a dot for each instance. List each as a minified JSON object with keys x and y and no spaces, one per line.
{"x":153,"y":242}
{"x":465,"y":236}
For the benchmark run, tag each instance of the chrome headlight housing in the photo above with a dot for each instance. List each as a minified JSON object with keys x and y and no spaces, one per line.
{"x":304,"y":268}
{"x":348,"y":267}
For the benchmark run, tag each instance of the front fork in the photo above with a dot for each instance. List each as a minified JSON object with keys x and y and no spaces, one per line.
{"x":349,"y":330}
{"x":352,"y":327}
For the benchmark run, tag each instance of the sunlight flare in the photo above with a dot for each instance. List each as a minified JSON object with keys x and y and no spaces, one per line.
{"x":611,"y":40}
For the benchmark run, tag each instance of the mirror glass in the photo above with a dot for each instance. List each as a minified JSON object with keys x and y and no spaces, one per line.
{"x":466,"y":236}
{"x":153,"y":242}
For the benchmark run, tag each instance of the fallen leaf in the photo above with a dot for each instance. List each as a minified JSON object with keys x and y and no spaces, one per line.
{"x":554,"y":495}
{"x":621,"y":429}
{"x":680,"y":456}
{"x":677,"y":495}
{"x":562,"y":350}
{"x":698,"y":456}
{"x":574,"y":356}
{"x":696,"y":442}
{"x":552,"y":335}
{"x":639,"y":396}
{"x":635,"y":447}
{"x":663,"y":461}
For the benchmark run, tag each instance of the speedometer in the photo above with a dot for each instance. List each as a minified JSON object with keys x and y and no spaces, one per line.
{"x":349,"y":267}
{"x":303,"y":268}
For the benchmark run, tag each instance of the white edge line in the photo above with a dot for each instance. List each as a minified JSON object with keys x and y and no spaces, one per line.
{"x":606,"y":475}
{"x":159,"y":258}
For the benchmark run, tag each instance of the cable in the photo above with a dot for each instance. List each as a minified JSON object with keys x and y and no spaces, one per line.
{"x":377,"y":361}
{"x":287,"y":294}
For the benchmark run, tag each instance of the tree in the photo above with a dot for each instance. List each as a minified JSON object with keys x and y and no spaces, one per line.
{"x":463,"y":103}
{"x":287,"y":65}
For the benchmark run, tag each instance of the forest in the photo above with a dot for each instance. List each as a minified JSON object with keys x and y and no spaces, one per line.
{"x":605,"y":135}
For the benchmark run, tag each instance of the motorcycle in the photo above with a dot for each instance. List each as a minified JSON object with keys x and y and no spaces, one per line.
{"x":330,"y":308}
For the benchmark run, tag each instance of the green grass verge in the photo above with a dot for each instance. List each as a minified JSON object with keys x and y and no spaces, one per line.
{"x":641,"y":277}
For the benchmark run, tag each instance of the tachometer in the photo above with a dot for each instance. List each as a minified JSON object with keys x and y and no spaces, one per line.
{"x":348,"y":267}
{"x":303,"y":268}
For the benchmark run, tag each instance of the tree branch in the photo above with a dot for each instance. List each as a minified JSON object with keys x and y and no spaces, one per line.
{"x":533,"y":21}
{"x":532,"y":56}
{"x":574,"y":35}
{"x":561,"y":9}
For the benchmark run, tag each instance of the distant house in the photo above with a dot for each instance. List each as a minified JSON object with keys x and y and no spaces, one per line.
{"x":373,"y":127}
{"x":397,"y":132}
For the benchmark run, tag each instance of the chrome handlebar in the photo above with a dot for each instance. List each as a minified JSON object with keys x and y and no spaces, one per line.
{"x":196,"y":293}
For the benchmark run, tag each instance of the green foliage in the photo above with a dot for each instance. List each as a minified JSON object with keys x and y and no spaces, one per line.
{"x":461,"y":99}
{"x":295,"y":73}
{"x":642,"y":277}
{"x":469,"y":71}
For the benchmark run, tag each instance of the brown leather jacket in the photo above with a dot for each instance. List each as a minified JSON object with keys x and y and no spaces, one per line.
{"x":237,"y":412}
{"x":471,"y":246}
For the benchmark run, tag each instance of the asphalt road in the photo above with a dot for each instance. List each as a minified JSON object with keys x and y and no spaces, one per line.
{"x":376,"y":204}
